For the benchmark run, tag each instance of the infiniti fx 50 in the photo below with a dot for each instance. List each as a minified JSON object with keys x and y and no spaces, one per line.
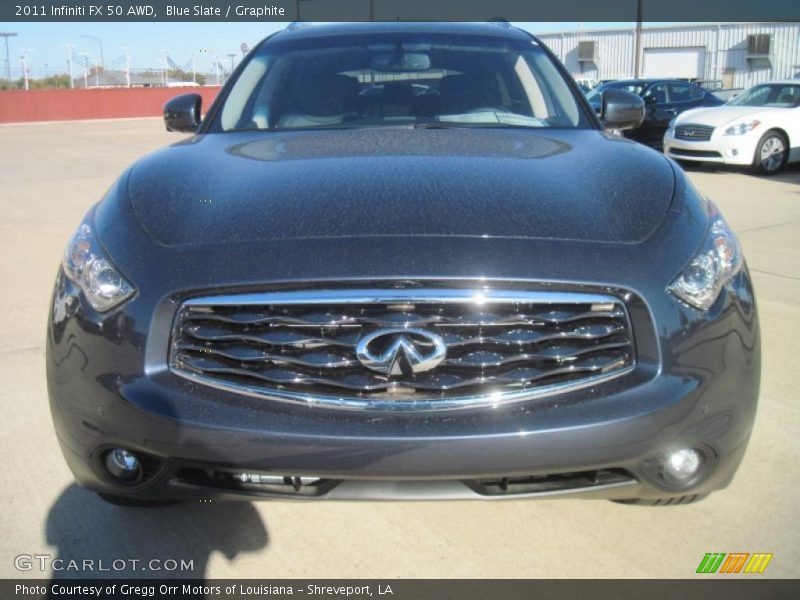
{"x":403,"y":261}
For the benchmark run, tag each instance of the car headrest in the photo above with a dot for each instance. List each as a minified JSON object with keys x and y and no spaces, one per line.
{"x":324,"y":95}
{"x":398,"y":93}
{"x":462,"y":93}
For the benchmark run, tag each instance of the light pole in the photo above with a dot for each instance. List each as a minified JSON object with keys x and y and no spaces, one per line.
{"x":127,"y":50}
{"x":99,"y":41}
{"x":6,"y":35}
{"x":166,"y":67}
{"x":297,"y":9}
{"x":69,"y":48}
{"x":638,"y":48}
{"x":85,"y":70}
{"x":96,"y":74}
{"x":25,"y":70}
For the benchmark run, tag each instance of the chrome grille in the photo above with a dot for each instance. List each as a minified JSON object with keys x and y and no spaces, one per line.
{"x":500,"y":344}
{"x":693,"y":133}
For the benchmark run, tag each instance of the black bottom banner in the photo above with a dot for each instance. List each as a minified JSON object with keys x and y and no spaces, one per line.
{"x":397,"y":589}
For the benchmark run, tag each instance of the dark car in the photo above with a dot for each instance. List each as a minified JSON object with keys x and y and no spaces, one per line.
{"x":664,"y":100}
{"x":463,"y":289}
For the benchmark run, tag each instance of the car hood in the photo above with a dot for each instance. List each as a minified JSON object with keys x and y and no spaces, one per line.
{"x":256,"y":186}
{"x":720,"y":115}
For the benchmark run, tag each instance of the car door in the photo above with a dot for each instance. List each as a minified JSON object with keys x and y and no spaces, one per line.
{"x":658,"y":114}
{"x":683,"y":96}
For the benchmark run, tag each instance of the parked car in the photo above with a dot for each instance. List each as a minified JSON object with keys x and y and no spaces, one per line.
{"x":475,"y":292}
{"x":664,"y":99}
{"x":760,"y":128}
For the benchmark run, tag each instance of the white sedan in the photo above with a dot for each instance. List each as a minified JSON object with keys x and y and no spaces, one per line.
{"x":759,"y":128}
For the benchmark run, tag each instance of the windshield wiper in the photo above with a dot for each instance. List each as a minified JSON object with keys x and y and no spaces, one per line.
{"x":466,"y":125}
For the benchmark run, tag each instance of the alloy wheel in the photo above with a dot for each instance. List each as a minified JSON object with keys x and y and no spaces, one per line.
{"x":772,"y":153}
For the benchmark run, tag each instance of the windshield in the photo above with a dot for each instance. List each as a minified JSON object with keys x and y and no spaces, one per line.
{"x":632,"y":87}
{"x":400,"y":79}
{"x":779,"y":95}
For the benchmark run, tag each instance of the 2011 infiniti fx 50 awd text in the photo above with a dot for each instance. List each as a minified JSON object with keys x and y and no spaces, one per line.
{"x":403,"y":261}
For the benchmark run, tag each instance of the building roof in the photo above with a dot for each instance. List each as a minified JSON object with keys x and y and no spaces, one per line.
{"x":646,"y":27}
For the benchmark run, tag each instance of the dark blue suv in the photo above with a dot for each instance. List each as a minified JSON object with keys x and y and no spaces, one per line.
{"x":403,"y":260}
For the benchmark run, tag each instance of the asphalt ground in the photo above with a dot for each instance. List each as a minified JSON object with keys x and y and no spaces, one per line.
{"x":51,"y":173}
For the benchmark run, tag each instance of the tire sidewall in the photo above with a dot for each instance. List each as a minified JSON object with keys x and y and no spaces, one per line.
{"x":757,"y":167}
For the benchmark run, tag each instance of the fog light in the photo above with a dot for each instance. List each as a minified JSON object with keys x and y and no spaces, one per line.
{"x":682,"y":465}
{"x":123,"y":465}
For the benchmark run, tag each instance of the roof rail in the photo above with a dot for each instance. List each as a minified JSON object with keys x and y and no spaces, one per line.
{"x":500,"y":21}
{"x":295,"y":25}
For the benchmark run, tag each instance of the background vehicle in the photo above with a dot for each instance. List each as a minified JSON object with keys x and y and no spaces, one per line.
{"x":664,"y":99}
{"x":759,"y":128}
{"x":454,"y":285}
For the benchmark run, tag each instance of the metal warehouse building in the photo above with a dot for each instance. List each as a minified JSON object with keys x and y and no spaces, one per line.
{"x":736,"y":54}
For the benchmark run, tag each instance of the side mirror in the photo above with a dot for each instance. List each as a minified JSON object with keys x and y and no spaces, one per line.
{"x":621,"y":110}
{"x":182,"y":113}
{"x":650,"y":99}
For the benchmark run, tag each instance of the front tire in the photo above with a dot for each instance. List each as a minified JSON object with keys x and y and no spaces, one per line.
{"x":771,"y":153}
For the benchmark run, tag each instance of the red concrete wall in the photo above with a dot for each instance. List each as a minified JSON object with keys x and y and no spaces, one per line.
{"x":63,"y":105}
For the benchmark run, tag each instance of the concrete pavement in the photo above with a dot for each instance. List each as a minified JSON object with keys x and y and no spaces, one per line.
{"x":49,"y":176}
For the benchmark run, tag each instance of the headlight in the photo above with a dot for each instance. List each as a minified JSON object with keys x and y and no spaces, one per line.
{"x":742,"y":128}
{"x":671,"y":124}
{"x":87,"y":266}
{"x":719,"y":259}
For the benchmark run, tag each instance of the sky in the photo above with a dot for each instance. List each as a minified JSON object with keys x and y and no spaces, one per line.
{"x":147,"y":42}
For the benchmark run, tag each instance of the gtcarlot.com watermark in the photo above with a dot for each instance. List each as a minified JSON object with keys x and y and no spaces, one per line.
{"x":46,"y":562}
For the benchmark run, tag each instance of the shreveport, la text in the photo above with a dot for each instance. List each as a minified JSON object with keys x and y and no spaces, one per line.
{"x":151,"y":591}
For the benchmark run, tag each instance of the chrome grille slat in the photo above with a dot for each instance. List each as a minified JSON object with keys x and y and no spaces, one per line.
{"x":275,"y":337}
{"x":248,"y":354}
{"x":694,"y":133}
{"x":437,"y":382}
{"x":389,"y":319}
{"x":553,"y":353}
{"x":301,"y":346}
{"x":279,"y":338}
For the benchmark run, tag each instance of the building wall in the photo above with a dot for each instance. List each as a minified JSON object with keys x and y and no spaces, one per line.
{"x":725,"y":50}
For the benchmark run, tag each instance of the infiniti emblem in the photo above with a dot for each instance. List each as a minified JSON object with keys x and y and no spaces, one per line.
{"x":401,"y":351}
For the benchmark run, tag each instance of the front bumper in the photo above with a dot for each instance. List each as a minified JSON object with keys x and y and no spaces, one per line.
{"x":724,"y":149}
{"x":700,"y":391}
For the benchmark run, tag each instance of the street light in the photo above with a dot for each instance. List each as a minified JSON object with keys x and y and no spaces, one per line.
{"x":25,"y":68}
{"x":166,"y":67}
{"x":638,"y":44}
{"x":7,"y":35}
{"x":297,"y":9}
{"x":85,"y":57}
{"x":70,"y":48}
{"x":127,"y":50}
{"x":99,"y":41}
